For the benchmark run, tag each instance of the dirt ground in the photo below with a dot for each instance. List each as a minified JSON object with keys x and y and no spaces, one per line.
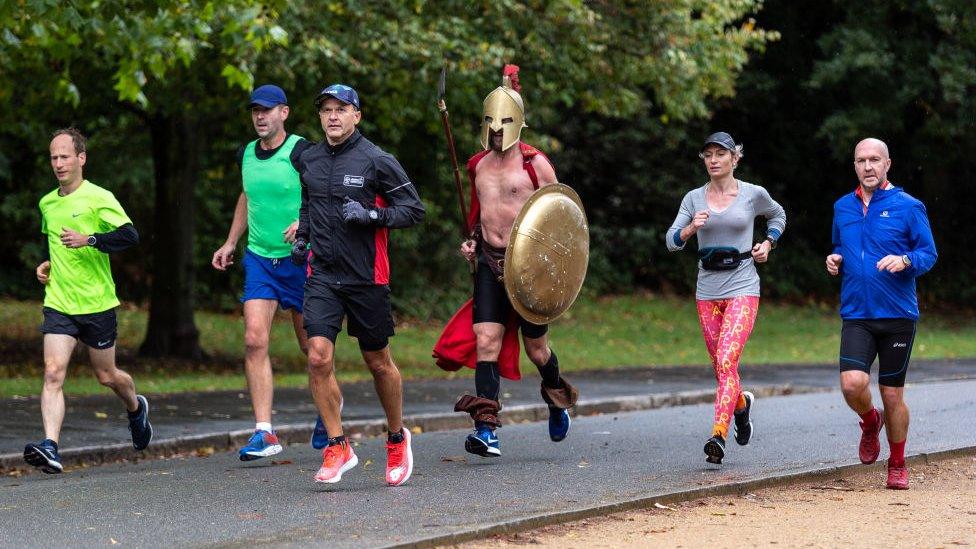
{"x":939,"y":510}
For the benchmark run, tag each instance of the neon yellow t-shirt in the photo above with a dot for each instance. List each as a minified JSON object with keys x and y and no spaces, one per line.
{"x":80,"y":281}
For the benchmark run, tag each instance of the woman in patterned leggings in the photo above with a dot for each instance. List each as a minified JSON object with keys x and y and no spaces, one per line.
{"x":721,"y":214}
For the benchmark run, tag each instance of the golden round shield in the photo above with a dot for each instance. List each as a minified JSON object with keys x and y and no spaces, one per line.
{"x":548,"y":251}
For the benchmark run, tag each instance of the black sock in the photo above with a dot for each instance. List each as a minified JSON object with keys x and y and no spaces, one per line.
{"x":395,"y":438}
{"x":486,"y":380}
{"x":550,"y":371}
{"x":133,"y":415}
{"x":337,"y":440}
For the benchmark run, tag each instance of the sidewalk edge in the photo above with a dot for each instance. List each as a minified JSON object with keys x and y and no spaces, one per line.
{"x":299,"y":433}
{"x":542,"y":520}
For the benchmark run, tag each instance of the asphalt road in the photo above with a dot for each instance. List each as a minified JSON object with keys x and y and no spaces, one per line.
{"x":606,"y":459}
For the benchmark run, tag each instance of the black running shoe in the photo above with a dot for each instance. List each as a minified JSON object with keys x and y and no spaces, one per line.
{"x":743,"y":422}
{"x":715,"y":449}
{"x":44,"y":456}
{"x":139,"y":426}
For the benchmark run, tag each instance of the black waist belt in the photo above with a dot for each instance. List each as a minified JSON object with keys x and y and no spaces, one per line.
{"x":722,"y":258}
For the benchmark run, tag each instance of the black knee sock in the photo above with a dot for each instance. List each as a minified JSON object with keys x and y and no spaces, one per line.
{"x":550,"y":371}
{"x":486,"y":380}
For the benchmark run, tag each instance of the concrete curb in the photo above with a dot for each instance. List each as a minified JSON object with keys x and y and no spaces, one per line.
{"x":539,"y":521}
{"x":299,"y":433}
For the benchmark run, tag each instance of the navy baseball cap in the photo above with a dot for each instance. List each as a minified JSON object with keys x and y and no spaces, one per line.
{"x":268,"y":96}
{"x":341,"y":92}
{"x":721,"y":139}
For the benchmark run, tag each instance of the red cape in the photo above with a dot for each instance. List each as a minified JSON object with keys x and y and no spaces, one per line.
{"x":457,"y":345}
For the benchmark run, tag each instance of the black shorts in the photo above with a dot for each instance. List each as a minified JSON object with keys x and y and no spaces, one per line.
{"x":97,"y":330}
{"x":888,"y":339}
{"x":491,"y":302}
{"x":367,"y":306}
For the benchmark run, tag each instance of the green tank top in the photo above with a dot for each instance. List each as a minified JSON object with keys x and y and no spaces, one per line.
{"x":274,"y":195}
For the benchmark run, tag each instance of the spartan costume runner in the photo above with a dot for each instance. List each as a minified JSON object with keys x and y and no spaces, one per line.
{"x":483,"y":334}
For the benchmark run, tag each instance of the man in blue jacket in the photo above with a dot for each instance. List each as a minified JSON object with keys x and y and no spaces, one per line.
{"x":881,"y":242}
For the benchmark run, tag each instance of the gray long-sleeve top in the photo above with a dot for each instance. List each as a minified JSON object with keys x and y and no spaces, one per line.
{"x":729,"y":227}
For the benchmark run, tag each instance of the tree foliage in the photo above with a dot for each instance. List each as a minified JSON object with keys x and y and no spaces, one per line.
{"x":159,"y":86}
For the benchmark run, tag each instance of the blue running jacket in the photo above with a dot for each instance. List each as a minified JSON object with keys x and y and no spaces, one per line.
{"x":895,"y":224}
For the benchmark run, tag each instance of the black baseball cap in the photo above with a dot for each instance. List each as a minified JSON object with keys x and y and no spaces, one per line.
{"x":721,"y":139}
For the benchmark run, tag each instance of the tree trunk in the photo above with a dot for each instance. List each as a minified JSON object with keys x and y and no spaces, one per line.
{"x":171,"y":331}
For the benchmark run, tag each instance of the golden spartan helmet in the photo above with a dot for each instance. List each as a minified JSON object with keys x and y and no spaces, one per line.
{"x":504,"y":112}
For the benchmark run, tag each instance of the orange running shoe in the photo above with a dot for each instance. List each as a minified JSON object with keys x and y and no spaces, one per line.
{"x":898,"y":477}
{"x":336,"y":459}
{"x":870,"y":446}
{"x":399,"y":460}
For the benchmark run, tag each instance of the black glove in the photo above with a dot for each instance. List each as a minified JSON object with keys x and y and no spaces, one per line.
{"x":299,"y":251}
{"x":354,"y":212}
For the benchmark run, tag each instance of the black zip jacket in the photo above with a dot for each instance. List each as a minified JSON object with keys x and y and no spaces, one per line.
{"x":351,"y":253}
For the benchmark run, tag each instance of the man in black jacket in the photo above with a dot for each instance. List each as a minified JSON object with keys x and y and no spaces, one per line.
{"x":352,"y":194}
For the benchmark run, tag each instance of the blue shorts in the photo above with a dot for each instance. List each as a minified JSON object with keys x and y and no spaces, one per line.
{"x":278,"y":279}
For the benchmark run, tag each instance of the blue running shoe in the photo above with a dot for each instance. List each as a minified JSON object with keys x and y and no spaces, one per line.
{"x":262,"y":444}
{"x":482,"y":442}
{"x":139,"y":426}
{"x":320,"y":436}
{"x":559,"y":422}
{"x":44,"y":456}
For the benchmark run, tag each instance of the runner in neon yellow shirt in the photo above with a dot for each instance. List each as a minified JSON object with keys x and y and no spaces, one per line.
{"x":82,"y":224}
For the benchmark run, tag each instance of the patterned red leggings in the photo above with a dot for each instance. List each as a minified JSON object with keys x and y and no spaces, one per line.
{"x":726,"y":325}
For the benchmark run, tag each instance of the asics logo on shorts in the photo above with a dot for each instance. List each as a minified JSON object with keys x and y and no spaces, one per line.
{"x":896,"y":345}
{"x":353,"y":180}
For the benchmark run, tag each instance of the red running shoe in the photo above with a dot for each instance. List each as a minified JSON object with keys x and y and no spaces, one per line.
{"x":898,"y":477}
{"x":336,"y":459}
{"x":399,"y":460}
{"x":870,"y":446}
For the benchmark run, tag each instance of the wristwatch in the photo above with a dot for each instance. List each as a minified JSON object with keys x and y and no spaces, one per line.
{"x":772,"y":242}
{"x":374,"y":215}
{"x":906,"y":261}
{"x":91,"y":240}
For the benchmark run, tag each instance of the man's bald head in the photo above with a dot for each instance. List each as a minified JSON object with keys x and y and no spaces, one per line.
{"x":871,"y":163}
{"x":873,"y":143}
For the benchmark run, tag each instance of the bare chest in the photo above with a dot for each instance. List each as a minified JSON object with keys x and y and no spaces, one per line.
{"x":503,"y":185}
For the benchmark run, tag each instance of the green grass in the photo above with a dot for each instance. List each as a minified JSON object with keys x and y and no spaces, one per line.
{"x":625,"y":331}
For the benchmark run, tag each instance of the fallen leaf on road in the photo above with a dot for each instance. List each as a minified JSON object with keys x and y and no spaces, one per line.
{"x":204,"y":452}
{"x":367,"y":463}
{"x":583,"y":463}
{"x":101,"y":415}
{"x":282,"y":462}
{"x":662,"y":506}
{"x":899,"y":503}
{"x":113,"y":541}
{"x":838,"y":488}
{"x":416,"y":429}
{"x":461,"y":459}
{"x":718,"y":514}
{"x":250,"y":516}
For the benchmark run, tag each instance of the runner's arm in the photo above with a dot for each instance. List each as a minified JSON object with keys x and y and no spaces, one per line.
{"x":685,"y":215}
{"x":922,"y":253}
{"x":404,"y":207}
{"x":239,"y":224}
{"x":121,"y":238}
{"x":303,"y":228}
{"x":773,"y":212}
